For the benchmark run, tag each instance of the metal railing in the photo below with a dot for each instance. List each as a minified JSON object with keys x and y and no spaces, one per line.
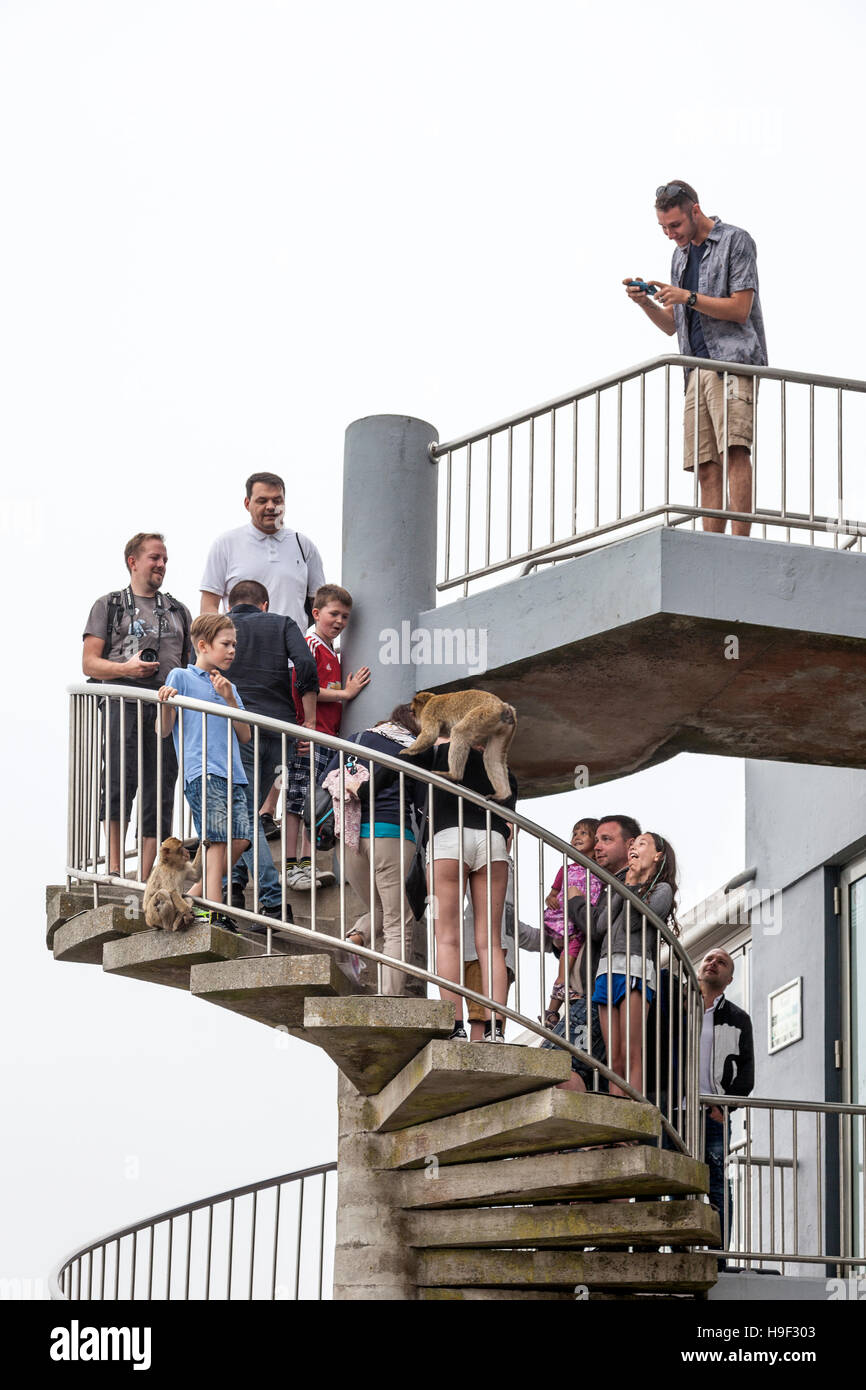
{"x":268,"y":1240}
{"x":795,"y":1183}
{"x":663,"y":1068}
{"x":605,"y":461}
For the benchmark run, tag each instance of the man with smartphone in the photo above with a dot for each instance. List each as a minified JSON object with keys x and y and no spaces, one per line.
{"x":712,"y":305}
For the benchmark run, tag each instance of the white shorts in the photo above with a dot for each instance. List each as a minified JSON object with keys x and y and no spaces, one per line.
{"x":446,"y":845}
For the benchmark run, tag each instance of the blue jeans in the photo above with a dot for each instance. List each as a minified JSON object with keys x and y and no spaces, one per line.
{"x":270,"y":888}
{"x":714,"y":1157}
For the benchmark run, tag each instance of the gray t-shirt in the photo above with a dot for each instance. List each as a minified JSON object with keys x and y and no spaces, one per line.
{"x":138,"y":630}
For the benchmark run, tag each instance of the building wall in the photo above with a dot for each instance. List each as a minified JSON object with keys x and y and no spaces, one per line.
{"x":802,"y":824}
{"x":799,"y":820}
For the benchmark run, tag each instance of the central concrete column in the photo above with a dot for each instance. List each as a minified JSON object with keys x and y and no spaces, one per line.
{"x":371,"y":1259}
{"x":389,"y":555}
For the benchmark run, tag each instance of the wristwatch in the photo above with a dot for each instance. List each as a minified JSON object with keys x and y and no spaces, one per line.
{"x":692,"y":300}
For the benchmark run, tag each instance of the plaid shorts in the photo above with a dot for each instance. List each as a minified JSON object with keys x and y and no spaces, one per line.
{"x":298,"y":776}
{"x":217,"y":821}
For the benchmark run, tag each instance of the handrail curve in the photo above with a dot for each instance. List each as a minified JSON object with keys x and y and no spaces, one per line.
{"x":84,"y":700}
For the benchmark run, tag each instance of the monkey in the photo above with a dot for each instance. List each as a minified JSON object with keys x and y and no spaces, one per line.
{"x":164,"y":905}
{"x":471,"y":717}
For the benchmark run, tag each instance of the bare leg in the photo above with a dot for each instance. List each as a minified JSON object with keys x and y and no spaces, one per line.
{"x":740,"y":486}
{"x":739,"y":489}
{"x":494,"y":976}
{"x":293,"y":835}
{"x":448,"y":905}
{"x":148,"y":851}
{"x":613,"y":1043}
{"x":574,"y":1083}
{"x":635,"y":1051}
{"x":114,"y":849}
{"x":710,"y":481}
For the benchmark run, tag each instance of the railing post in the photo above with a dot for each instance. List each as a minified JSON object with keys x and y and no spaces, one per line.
{"x":389,"y":555}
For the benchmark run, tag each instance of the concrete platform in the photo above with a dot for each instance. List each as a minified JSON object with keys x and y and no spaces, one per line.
{"x":81,"y":938}
{"x":565,"y":1269}
{"x":269,"y":989}
{"x":574,"y":1225}
{"x":371,"y":1039}
{"x":563,"y":646}
{"x":639,"y":1172}
{"x":447,"y":1077}
{"x":166,"y":958}
{"x":548,"y":1120}
{"x":62,"y":903}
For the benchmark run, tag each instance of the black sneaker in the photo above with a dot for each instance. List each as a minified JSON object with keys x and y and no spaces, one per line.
{"x":500,"y":1031}
{"x":269,"y":826}
{"x":276,"y":912}
{"x":219,"y":919}
{"x":458,"y":1033}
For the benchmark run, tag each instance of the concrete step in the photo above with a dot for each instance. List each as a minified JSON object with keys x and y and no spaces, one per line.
{"x":447,"y":1077}
{"x":550,"y":1119}
{"x":81,"y":938}
{"x":645,"y":1171}
{"x":627,"y":1272}
{"x":269,"y":989}
{"x":166,"y":958}
{"x":573,"y":1225}
{"x":372,"y":1038}
{"x":62,"y":903}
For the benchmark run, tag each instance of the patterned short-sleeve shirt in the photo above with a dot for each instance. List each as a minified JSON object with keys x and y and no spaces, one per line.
{"x":729,"y":264}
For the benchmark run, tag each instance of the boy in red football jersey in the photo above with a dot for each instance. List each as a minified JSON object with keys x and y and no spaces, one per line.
{"x":332,"y":607}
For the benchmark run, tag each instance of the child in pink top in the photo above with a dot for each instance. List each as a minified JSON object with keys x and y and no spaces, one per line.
{"x":556,"y":907}
{"x":583,"y":840}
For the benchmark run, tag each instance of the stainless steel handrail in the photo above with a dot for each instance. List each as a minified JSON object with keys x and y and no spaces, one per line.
{"x":90,"y":825}
{"x":668,"y":359}
{"x":579,"y":493}
{"x":62,"y":1280}
{"x":762,"y":1218}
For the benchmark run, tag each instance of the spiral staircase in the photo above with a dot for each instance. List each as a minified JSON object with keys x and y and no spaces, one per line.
{"x":463,"y":1171}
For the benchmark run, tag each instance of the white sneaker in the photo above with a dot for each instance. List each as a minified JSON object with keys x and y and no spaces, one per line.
{"x":299,"y":878}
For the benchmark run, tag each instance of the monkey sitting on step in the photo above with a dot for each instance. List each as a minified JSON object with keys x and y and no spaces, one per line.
{"x":164,"y":904}
{"x":471,"y":717}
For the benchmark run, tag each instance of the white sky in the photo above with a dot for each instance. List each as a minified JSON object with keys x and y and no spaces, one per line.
{"x":230,"y":229}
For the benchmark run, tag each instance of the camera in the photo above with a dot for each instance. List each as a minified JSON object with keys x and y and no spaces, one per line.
{"x":149,"y":654}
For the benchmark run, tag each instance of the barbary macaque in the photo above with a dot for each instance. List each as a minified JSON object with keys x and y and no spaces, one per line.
{"x":165,"y":906}
{"x":470,"y":717}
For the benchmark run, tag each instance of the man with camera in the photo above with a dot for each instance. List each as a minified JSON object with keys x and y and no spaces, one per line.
{"x":713,"y":306}
{"x":134,"y":637}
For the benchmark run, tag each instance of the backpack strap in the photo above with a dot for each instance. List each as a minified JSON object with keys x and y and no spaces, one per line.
{"x":173,"y":604}
{"x":308,"y":602}
{"x":115,"y":607}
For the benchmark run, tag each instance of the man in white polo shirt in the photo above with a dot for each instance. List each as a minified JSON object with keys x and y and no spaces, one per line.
{"x":286,"y":562}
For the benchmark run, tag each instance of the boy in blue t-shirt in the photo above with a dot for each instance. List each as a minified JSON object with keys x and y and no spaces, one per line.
{"x":213,"y":638}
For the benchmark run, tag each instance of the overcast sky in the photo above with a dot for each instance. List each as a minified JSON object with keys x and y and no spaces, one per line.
{"x":230,"y":229}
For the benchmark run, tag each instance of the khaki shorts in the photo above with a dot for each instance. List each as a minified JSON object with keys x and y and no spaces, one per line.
{"x":711,"y":416}
{"x":472,"y":980}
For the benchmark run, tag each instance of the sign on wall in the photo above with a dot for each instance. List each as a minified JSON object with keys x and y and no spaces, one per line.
{"x":785,"y":1015}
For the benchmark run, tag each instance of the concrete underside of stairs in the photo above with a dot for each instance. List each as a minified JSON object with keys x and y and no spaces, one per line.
{"x":567,"y":644}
